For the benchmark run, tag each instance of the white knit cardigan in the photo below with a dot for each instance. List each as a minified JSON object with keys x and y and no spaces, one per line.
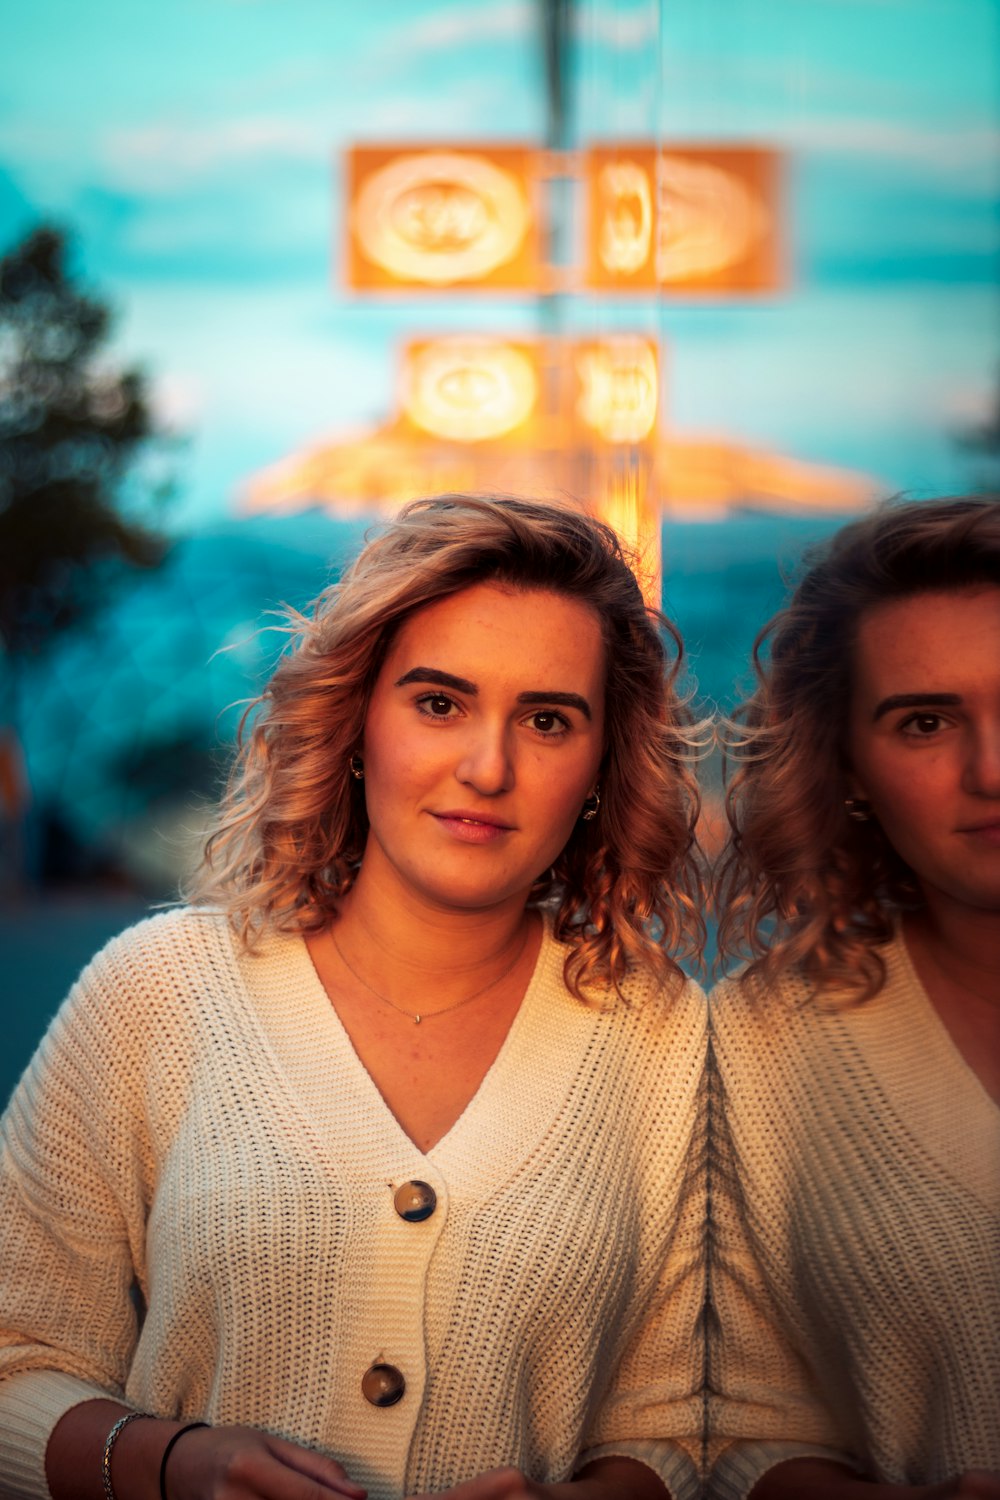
{"x":197,"y":1137}
{"x":855,"y":1266}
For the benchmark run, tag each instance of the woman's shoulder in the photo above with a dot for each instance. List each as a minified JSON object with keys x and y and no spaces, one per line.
{"x":174,"y":939}
{"x":644,"y":996}
{"x":152,"y":974}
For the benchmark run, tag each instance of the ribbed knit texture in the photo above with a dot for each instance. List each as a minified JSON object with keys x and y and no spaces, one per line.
{"x":855,"y":1265}
{"x":197,"y":1122}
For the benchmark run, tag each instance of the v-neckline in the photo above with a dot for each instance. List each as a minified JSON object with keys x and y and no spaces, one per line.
{"x":490,"y":1081}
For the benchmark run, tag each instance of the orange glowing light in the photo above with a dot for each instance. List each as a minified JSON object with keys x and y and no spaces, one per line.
{"x":436,"y":217}
{"x":469,"y":390}
{"x":619,"y":388}
{"x":684,"y":218}
{"x":625,"y":503}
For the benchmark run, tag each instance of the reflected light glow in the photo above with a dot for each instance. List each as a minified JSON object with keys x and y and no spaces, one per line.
{"x":681,"y":219}
{"x":619,"y":389}
{"x":627,"y":216}
{"x":707,"y":220}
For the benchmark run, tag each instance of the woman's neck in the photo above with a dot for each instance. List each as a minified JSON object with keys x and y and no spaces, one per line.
{"x":399,"y":938}
{"x":957,"y":946}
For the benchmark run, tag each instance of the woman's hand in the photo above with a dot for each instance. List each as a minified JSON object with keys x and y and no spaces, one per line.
{"x":205,"y":1463}
{"x":604,"y":1479}
{"x":230,"y":1463}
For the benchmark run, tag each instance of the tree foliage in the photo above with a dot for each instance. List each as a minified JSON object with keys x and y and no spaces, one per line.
{"x":71,"y":430}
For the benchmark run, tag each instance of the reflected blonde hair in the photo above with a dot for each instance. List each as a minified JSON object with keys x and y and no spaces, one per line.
{"x":799,"y":881}
{"x":292,"y":825}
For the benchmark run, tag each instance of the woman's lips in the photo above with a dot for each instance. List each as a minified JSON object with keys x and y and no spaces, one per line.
{"x":471,"y":828}
{"x":986,"y":832}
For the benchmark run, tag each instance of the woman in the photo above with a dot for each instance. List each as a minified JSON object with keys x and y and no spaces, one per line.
{"x":394,"y":1134}
{"x":856,"y":1193}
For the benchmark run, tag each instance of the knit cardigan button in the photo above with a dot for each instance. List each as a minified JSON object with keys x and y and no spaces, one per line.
{"x":383,"y":1385}
{"x":415,"y":1201}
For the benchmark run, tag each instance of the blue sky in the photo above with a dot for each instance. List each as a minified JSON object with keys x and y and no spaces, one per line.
{"x":194,"y":149}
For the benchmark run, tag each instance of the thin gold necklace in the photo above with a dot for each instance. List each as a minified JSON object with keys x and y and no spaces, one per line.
{"x":416,"y":1016}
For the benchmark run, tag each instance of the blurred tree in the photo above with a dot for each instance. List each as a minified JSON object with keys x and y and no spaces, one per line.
{"x":72,"y":428}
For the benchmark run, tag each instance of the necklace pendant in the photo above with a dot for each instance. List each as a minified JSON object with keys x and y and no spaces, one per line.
{"x":416,"y":1020}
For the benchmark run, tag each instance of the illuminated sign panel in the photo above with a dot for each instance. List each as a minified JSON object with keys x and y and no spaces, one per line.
{"x":549,"y":391}
{"x":618,"y":388}
{"x":683,"y":219}
{"x":471,"y":390}
{"x":440,"y":216}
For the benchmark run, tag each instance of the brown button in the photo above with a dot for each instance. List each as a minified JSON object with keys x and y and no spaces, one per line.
{"x":383,"y":1385}
{"x":415,"y":1201}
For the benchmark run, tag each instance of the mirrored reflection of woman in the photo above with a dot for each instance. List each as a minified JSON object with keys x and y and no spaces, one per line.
{"x":394,"y":1135}
{"x":855,"y":1265}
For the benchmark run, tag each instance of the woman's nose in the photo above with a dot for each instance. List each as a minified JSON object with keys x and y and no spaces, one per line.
{"x":486,"y":763}
{"x":982,"y":767}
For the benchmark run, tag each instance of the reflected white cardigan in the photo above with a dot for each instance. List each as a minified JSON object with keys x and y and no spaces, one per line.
{"x":855,"y":1271}
{"x":197,"y":1128}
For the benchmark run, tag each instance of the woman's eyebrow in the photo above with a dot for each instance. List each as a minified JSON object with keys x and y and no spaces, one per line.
{"x":437,"y":678}
{"x":916,"y":700}
{"x":562,"y":700}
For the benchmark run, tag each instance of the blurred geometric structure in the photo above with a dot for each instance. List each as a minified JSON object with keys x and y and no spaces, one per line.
{"x":471,"y":416}
{"x":563,"y":417}
{"x":531,"y":391}
{"x":677,"y":219}
{"x":555,"y":417}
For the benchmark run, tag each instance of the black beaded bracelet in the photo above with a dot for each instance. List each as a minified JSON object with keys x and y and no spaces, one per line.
{"x":169,"y":1449}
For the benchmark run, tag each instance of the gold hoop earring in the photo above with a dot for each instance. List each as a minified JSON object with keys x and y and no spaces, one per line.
{"x":357,"y":766}
{"x":590,"y":807}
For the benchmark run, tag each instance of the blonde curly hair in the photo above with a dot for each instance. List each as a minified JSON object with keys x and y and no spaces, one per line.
{"x":291,"y":828}
{"x":799,"y":881}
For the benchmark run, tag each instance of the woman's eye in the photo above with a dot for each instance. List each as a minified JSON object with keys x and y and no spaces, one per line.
{"x":437,"y":706}
{"x":920,"y":726}
{"x":547,"y":722}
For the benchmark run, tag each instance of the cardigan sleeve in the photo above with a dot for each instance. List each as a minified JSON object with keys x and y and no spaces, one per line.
{"x":74,"y":1163}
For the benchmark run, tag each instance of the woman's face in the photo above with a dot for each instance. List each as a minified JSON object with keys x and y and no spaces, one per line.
{"x":924,"y":739}
{"x":483,"y":739}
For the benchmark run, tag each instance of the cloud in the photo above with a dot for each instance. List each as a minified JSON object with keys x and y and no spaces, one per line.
{"x":963,"y":151}
{"x":167,"y":155}
{"x":461,"y":26}
{"x":623,"y":29}
{"x":478,"y":108}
